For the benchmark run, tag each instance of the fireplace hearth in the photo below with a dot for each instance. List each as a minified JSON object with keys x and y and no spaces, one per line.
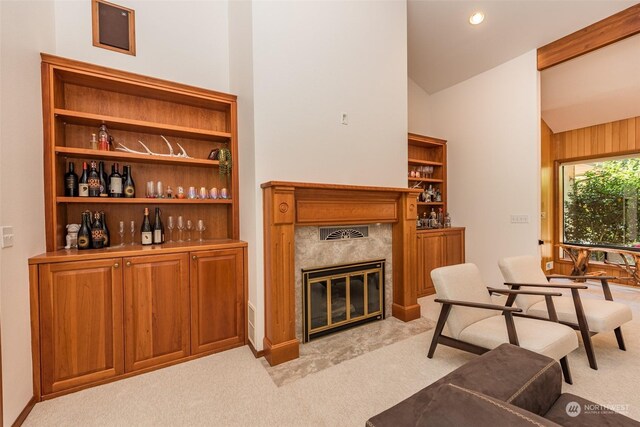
{"x":342,"y":296}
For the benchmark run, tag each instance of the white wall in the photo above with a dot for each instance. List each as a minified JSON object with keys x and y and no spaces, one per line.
{"x":180,"y":40}
{"x":27,"y":28}
{"x":492,"y":124}
{"x":419,"y":111}
{"x":312,"y":61}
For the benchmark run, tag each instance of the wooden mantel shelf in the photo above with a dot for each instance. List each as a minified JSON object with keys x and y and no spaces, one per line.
{"x":287,"y":204}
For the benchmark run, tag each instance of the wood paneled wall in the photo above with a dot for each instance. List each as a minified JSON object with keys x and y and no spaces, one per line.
{"x":609,"y":139}
{"x":617,"y":138}
{"x":547,"y":207}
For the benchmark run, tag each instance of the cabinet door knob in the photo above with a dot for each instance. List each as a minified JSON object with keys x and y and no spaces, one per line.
{"x":194,"y":257}
{"x":116,"y":265}
{"x":128,"y":263}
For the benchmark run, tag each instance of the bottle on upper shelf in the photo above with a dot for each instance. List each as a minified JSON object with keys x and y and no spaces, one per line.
{"x":115,"y":182}
{"x":104,"y":183}
{"x":93,"y":144}
{"x":103,"y":138}
{"x":94,"y":181}
{"x":158,"y":229}
{"x":129,"y":187}
{"x":83,"y":185}
{"x":71,"y":182}
{"x":145,"y":230}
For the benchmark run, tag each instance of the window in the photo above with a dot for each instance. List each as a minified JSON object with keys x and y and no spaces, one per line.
{"x":600,"y":202}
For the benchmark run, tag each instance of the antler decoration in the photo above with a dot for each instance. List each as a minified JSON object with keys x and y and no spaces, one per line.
{"x":182,"y":154}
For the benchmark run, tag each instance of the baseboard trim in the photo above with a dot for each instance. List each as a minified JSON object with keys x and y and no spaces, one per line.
{"x":25,"y":412}
{"x":257,"y":354}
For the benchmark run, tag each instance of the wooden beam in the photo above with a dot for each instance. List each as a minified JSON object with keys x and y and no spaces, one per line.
{"x":609,"y":30}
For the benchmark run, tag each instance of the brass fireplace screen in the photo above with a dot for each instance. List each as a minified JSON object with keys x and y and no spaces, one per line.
{"x":328,"y":291}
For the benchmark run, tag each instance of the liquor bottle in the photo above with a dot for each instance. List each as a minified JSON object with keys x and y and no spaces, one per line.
{"x":158,"y":229}
{"x":83,"y":185}
{"x":84,"y":234}
{"x":97,"y":232}
{"x":128,"y":186}
{"x":71,"y":182}
{"x":147,"y":234}
{"x":94,"y":142}
{"x":115,"y":182}
{"x":104,"y":186}
{"x":105,"y":230}
{"x":94,"y":181}
{"x":103,"y":138}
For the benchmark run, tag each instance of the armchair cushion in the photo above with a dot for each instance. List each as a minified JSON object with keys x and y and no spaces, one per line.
{"x":550,"y":339}
{"x":523,"y":269}
{"x":462,"y":282}
{"x":602,"y":315}
{"x":453,"y":405}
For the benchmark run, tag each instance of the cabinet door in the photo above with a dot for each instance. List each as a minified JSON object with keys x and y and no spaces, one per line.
{"x":420,"y":277}
{"x":80,"y":323}
{"x":454,"y":247}
{"x":156,"y":307}
{"x":217,"y":300}
{"x":432,"y":258}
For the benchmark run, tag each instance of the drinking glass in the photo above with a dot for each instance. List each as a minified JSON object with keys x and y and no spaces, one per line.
{"x":151,"y":189}
{"x":121,"y":232}
{"x":189,"y":228}
{"x":180,"y":228}
{"x":133,"y":232}
{"x":170,"y":226}
{"x":200,"y":227}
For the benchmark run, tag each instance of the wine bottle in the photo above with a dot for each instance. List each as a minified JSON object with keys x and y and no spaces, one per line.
{"x":147,"y":234}
{"x":97,"y":232}
{"x":71,"y":182}
{"x":83,"y":185}
{"x":84,"y":234}
{"x":158,"y":229}
{"x":115,"y":182}
{"x":129,"y":186}
{"x":105,"y":230}
{"x":103,"y":138}
{"x":94,"y":181}
{"x":104,"y":187}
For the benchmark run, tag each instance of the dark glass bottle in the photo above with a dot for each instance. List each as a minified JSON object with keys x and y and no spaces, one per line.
{"x":84,"y":234}
{"x":147,"y":233}
{"x":158,"y":229}
{"x":83,"y":185}
{"x":105,"y":230}
{"x":94,"y":181}
{"x":71,"y":182}
{"x":128,"y":186}
{"x":115,"y":182}
{"x":97,"y":232}
{"x":104,"y":186}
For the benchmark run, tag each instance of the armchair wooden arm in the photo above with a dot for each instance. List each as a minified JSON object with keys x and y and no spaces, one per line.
{"x":604,"y":281}
{"x":548,"y":285}
{"x":523,"y":292}
{"x":478,"y":305}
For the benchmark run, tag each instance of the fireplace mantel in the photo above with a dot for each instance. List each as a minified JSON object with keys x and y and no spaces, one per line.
{"x":287,"y":204}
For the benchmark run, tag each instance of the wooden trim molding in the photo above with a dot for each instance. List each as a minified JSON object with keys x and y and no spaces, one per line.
{"x":609,"y":30}
{"x":287,"y":204}
{"x":25,"y":412}
{"x":257,"y":354}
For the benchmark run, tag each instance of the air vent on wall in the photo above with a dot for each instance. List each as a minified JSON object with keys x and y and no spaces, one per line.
{"x":339,"y":233}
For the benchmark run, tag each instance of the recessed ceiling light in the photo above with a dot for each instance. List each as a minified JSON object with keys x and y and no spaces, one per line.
{"x":476,"y":18}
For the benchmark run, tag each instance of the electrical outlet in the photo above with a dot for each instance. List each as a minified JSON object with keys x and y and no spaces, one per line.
{"x":548,"y":266}
{"x":519,"y":219}
{"x":7,"y":237}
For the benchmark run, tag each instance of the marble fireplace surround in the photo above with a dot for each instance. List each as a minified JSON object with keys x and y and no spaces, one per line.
{"x":287,"y":205}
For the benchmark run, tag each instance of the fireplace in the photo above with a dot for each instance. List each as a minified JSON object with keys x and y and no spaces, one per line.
{"x":342,"y":296}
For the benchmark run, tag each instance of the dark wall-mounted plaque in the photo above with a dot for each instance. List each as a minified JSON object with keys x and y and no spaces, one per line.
{"x":113,"y":27}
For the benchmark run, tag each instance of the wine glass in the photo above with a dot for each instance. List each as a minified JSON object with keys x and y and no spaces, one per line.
{"x":189,"y":228}
{"x":133,"y":232}
{"x":200,"y":227}
{"x":170,"y":226}
{"x":180,"y":227}
{"x":121,"y":232}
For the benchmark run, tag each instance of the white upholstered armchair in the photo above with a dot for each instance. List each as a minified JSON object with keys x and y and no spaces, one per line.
{"x":477,"y":324}
{"x":589,"y":316}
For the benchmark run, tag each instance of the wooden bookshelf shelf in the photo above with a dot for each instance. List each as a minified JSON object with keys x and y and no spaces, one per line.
{"x":95,"y":120}
{"x":430,"y":203}
{"x":143,"y":201}
{"x":425,"y":180}
{"x":424,"y":162}
{"x":82,"y":153}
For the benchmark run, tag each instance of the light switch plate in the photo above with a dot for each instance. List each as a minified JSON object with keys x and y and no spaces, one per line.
{"x":519,"y":219}
{"x":7,"y":236}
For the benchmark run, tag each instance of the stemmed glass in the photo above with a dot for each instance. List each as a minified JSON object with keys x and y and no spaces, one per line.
{"x":170,"y":226}
{"x":201,"y":228}
{"x":121,"y":232}
{"x":133,"y":232}
{"x":180,"y":227}
{"x":189,"y":228}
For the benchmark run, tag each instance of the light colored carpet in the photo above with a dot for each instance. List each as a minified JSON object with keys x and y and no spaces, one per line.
{"x":232,"y":388}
